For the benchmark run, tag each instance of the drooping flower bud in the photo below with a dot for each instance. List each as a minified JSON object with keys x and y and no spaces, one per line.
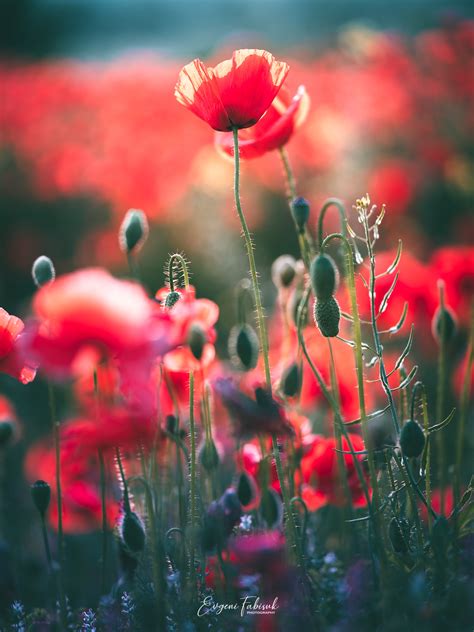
{"x":196,"y":340}
{"x":399,"y":534}
{"x":41,"y":495}
{"x":243,"y":346}
{"x":327,"y":315}
{"x":132,"y":532}
{"x":300,"y":212}
{"x":133,"y":231}
{"x":271,"y":508}
{"x":324,"y":277}
{"x":171,"y":299}
{"x":43,"y":271}
{"x":6,"y":432}
{"x":290,"y":382}
{"x":444,"y":325}
{"x":208,"y":455}
{"x":412,"y":439}
{"x":283,"y":271}
{"x":247,"y":491}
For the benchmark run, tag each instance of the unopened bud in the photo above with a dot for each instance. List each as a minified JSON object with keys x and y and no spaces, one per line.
{"x":43,"y":271}
{"x":133,"y":231}
{"x":41,"y":495}
{"x":271,"y":508}
{"x":327,"y":315}
{"x":6,"y":432}
{"x":247,"y":491}
{"x":208,"y":455}
{"x":399,"y":534}
{"x":300,"y":212}
{"x":283,"y":271}
{"x":290,"y":382}
{"x":171,"y":299}
{"x":132,"y":532}
{"x":324,"y":277}
{"x":171,"y":424}
{"x":243,"y":346}
{"x":196,"y":341}
{"x":444,"y":325}
{"x":412,"y":439}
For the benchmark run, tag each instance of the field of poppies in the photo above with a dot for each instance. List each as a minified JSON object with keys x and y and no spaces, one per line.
{"x":237,"y":339}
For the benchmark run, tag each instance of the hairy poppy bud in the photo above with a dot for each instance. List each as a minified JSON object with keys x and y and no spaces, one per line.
{"x":171,"y":299}
{"x":243,"y":346}
{"x":412,"y":439}
{"x":444,"y":325}
{"x":290,"y":382}
{"x":43,"y":271}
{"x":271,"y":508}
{"x":133,"y":231}
{"x":6,"y":432}
{"x":300,"y":212}
{"x":283,"y":271}
{"x":327,"y":316}
{"x":247,"y":491}
{"x":132,"y":532}
{"x":209,"y":456}
{"x":41,"y":495}
{"x":196,"y":341}
{"x":324,"y":277}
{"x":399,"y":534}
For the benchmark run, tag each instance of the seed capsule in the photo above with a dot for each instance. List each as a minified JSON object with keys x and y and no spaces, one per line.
{"x":412,"y":439}
{"x":243,"y":346}
{"x":41,"y":495}
{"x":327,"y":316}
{"x":324,"y":277}
{"x":43,"y":271}
{"x":132,"y":532}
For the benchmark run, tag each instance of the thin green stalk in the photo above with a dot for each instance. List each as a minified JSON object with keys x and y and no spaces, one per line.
{"x":404,"y":471}
{"x":47,"y":550}
{"x":262,"y":330}
{"x":57,"y":451}
{"x":465,"y":400}
{"x":133,"y":266}
{"x":184,"y":268}
{"x":440,"y":397}
{"x":104,"y":521}
{"x":426,"y":424}
{"x":342,"y":216}
{"x":126,"y":497}
{"x":193,"y":487}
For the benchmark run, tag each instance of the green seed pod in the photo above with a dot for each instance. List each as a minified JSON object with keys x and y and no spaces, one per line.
{"x":243,"y":346}
{"x":6,"y":432}
{"x":41,"y":495}
{"x":399,"y":534}
{"x":208,"y":456}
{"x":171,"y":299}
{"x":444,"y":322}
{"x":246,"y":490}
{"x":133,"y":231}
{"x":132,"y":532}
{"x":327,"y":316}
{"x":412,"y":439}
{"x":324,"y":277}
{"x":283,"y":271}
{"x":271,"y":508}
{"x":290,"y":382}
{"x":196,"y":341}
{"x":43,"y":271}
{"x":300,"y":212}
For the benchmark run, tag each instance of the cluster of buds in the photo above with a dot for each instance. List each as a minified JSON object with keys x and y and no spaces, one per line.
{"x":324,"y":280}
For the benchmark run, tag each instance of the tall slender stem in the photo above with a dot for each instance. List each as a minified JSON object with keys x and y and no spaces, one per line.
{"x":465,"y":399}
{"x":103,"y":502}
{"x":440,"y":396}
{"x":262,"y":330}
{"x":192,"y":492}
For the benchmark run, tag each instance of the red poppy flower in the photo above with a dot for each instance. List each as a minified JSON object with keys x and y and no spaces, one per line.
{"x":236,"y":92}
{"x":90,"y":309}
{"x":273,"y":130}
{"x":11,"y":361}
{"x":320,"y":473}
{"x":455,"y":266}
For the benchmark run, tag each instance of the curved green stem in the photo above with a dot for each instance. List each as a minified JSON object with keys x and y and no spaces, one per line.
{"x":262,"y":330}
{"x":342,"y":215}
{"x":184,"y":268}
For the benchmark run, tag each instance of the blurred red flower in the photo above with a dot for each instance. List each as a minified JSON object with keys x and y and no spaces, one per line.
{"x":455,"y":266}
{"x":236,"y":92}
{"x":273,"y":130}
{"x":12,"y":361}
